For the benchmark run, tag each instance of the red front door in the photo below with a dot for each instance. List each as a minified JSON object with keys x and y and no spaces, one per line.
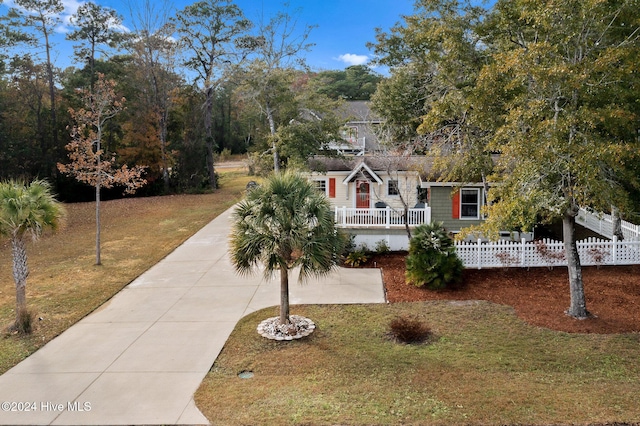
{"x":362,"y":194}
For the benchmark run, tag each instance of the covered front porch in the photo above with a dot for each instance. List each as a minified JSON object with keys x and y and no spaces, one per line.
{"x":384,"y":217}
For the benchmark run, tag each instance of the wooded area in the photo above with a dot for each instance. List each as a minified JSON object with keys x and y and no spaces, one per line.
{"x":192,"y":84}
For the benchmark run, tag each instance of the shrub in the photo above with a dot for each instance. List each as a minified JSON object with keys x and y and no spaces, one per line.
{"x":224,"y":155}
{"x":409,"y":330}
{"x":356,"y":258}
{"x":432,"y":261}
{"x":382,"y":247}
{"x":348,"y":242}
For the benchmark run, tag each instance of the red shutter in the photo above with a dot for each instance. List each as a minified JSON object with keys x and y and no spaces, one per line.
{"x":455,"y":205}
{"x":332,"y":187}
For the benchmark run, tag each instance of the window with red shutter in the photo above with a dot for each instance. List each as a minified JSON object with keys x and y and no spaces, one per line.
{"x":455,"y":205}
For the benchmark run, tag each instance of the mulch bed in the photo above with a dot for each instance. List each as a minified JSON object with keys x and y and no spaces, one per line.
{"x":540,"y":296}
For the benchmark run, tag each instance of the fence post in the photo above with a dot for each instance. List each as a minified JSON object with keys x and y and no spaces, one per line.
{"x":344,"y":216}
{"x":614,"y":250}
{"x":523,"y":259}
{"x":479,"y":254}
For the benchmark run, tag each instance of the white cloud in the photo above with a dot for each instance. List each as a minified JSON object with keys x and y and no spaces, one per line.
{"x":70,"y":8}
{"x":352,"y":59}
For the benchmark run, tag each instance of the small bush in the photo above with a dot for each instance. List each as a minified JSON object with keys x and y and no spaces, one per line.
{"x":224,"y":155}
{"x":432,"y":261}
{"x":348,"y":242}
{"x":409,"y":330}
{"x":356,"y":258}
{"x":382,"y":247}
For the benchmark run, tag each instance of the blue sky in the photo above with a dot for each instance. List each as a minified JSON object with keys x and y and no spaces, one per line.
{"x":343,"y":27}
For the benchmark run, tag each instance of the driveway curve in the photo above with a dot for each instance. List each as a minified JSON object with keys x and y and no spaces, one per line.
{"x":140,"y":357}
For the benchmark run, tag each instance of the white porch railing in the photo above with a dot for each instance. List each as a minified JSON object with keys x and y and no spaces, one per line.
{"x":603,"y":224}
{"x":548,"y":253}
{"x":380,"y":218}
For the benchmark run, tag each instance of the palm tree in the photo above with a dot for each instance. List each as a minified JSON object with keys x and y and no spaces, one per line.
{"x":26,"y":210}
{"x":283,"y":224}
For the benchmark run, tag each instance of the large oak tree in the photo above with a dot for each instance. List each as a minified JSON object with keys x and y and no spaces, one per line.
{"x":552,"y":86}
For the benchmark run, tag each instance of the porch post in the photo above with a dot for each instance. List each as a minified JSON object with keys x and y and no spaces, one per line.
{"x":388,"y":217}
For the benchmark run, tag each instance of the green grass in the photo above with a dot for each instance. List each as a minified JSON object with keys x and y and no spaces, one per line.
{"x":65,"y":285}
{"x":484,"y":366}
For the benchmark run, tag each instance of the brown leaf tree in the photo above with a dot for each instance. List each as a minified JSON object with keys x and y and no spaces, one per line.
{"x":88,"y":163}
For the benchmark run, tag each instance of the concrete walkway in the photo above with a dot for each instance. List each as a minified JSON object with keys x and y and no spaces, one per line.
{"x":139,"y":358}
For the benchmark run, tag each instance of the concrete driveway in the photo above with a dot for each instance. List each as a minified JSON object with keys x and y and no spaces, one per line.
{"x":139,"y":358}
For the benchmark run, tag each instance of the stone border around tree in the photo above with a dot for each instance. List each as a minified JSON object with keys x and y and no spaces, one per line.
{"x":298,"y":328}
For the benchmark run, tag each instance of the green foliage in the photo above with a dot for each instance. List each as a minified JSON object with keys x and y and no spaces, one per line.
{"x":283,"y":223}
{"x":25,"y":210}
{"x":356,"y":258}
{"x":400,"y":100}
{"x":28,"y":209}
{"x":356,"y":82}
{"x":259,"y":164}
{"x":301,"y":139}
{"x":382,"y":247}
{"x":406,"y":329}
{"x":224,"y":155}
{"x":432,"y":261}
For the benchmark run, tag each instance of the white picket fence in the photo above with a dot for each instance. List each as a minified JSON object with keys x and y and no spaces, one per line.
{"x":603,"y":225}
{"x":549,"y":253}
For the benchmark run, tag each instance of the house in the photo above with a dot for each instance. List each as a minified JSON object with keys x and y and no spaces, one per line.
{"x":358,"y":134}
{"x":377,"y":197}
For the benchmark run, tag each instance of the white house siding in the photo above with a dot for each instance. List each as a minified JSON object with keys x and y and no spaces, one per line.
{"x":345,"y":194}
{"x":395,"y":239}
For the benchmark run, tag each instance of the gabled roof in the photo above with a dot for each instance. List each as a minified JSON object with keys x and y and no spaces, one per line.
{"x":359,"y":112}
{"x":362,"y":169}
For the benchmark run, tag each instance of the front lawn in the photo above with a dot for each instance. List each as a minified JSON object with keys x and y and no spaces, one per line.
{"x":484,"y":366}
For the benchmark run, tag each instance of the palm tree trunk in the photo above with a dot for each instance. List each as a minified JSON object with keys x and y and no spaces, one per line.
{"x":20,"y":273}
{"x":578,"y":307}
{"x":284,"y":296}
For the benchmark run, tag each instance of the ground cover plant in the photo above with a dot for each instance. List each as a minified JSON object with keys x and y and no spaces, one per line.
{"x":65,"y":284}
{"x":482,"y":365}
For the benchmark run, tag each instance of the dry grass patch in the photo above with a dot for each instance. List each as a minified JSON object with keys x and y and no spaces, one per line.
{"x":484,"y":366}
{"x":65,"y":284}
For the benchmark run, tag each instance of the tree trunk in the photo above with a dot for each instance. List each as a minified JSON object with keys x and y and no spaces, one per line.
{"x":284,"y":296}
{"x":98,"y":260}
{"x":163,"y":150}
{"x":52,"y":99}
{"x":208,"y":124}
{"x":406,"y":221}
{"x":578,"y":307}
{"x":20,"y":273}
{"x":617,"y":223}
{"x":274,"y":147}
